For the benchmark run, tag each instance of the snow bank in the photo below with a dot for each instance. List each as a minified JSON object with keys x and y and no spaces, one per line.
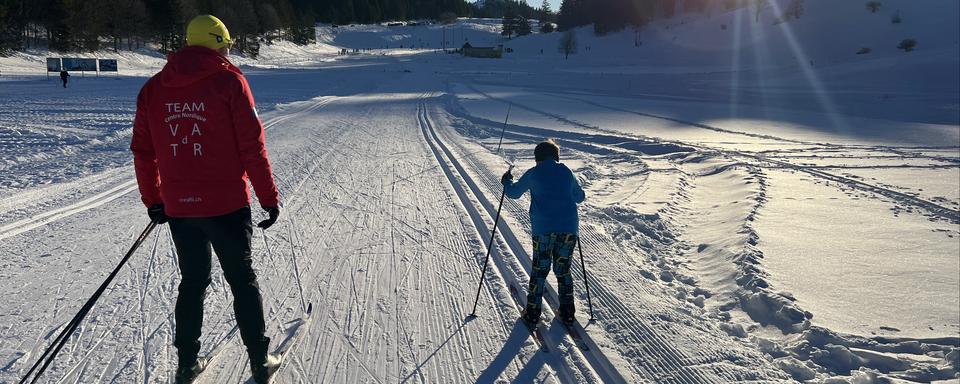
{"x":33,"y":62}
{"x":478,"y":32}
{"x":145,"y":62}
{"x":878,"y":357}
{"x":828,"y":32}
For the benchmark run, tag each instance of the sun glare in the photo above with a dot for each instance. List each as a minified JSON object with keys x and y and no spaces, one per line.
{"x":805,"y":64}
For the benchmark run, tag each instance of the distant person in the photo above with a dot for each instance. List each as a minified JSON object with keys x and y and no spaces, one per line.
{"x":554,"y":195}
{"x":197,"y":139}
{"x":64,"y":77}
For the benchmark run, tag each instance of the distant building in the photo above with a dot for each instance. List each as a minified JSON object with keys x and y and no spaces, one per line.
{"x":482,"y":52}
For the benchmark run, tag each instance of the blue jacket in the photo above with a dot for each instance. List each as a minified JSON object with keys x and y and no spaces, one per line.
{"x":554,"y":194}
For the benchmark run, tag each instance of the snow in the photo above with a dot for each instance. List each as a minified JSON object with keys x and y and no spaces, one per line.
{"x":751,"y":216}
{"x":880,"y":270}
{"x":479,"y":32}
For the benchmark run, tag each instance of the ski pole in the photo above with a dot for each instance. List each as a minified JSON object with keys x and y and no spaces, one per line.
{"x":583,"y":266}
{"x":493,"y":233}
{"x":504,"y":127}
{"x":296,"y":267}
{"x":51,"y":352}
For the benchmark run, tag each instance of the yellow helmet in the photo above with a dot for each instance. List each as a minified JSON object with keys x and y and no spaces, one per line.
{"x":208,"y":31}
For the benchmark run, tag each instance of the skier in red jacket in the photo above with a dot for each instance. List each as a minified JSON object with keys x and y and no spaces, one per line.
{"x":197,"y":139}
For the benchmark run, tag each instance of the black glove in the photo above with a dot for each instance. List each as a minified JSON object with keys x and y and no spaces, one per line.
{"x":506,"y":176}
{"x":274,"y":212}
{"x":157,"y":214}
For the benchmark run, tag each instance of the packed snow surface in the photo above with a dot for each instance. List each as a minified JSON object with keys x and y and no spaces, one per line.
{"x":763,"y":205}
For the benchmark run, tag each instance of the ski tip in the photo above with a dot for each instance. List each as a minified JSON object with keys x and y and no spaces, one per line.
{"x":309,"y":308}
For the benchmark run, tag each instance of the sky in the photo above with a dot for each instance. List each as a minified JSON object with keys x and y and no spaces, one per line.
{"x":554,"y":4}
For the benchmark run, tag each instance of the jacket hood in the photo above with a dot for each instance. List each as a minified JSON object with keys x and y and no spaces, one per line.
{"x":192,"y":64}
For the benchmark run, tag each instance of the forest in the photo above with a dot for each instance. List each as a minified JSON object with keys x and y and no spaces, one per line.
{"x":90,"y":25}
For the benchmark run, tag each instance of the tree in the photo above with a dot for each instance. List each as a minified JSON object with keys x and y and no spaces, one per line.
{"x":760,"y":5}
{"x":269,"y":20}
{"x":907,"y":45}
{"x":896,"y":18}
{"x":303,"y":32}
{"x":508,"y":25}
{"x":545,"y":14}
{"x":447,"y":18}
{"x":504,"y":8}
{"x":568,"y":43}
{"x":70,"y":25}
{"x":793,"y":11}
{"x":10,"y":36}
{"x":873,"y":6}
{"x":574,"y":13}
{"x":521,"y":26}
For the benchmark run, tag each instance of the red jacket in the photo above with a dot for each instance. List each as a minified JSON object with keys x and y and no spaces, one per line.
{"x":197,"y":138}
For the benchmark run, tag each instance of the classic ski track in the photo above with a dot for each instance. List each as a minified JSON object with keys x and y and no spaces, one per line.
{"x":669,"y":364}
{"x":133,"y":278}
{"x":816,"y":170}
{"x":122,"y":188}
{"x":357,"y":211}
{"x":274,"y":121}
{"x":231,"y":335}
{"x":647,"y":371}
{"x":929,"y":206}
{"x":593,"y":359}
{"x":897,"y":151}
{"x":39,"y":220}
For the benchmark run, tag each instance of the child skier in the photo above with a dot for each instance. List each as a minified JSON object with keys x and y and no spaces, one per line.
{"x":554,"y":195}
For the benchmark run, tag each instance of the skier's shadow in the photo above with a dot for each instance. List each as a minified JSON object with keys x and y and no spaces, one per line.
{"x":511,"y":348}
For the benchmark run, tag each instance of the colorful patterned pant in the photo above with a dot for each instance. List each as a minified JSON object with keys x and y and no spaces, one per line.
{"x":556,"y":248}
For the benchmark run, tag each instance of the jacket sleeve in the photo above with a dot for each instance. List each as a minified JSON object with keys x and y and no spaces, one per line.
{"x":251,"y":145}
{"x":576,"y":190}
{"x":515,"y":190}
{"x":144,"y":156}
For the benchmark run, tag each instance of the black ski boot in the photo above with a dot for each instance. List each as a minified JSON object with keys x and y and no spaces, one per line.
{"x":568,"y":314}
{"x":530,"y":316}
{"x":187,"y":373}
{"x":264,"y":367}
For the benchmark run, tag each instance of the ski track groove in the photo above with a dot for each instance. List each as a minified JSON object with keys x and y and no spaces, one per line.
{"x":899,"y":152}
{"x":932,"y":208}
{"x":478,"y":223}
{"x":121,"y":184}
{"x":664,"y":363}
{"x":357,"y":217}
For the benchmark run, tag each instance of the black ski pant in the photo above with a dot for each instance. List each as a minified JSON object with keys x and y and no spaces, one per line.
{"x":230,"y":237}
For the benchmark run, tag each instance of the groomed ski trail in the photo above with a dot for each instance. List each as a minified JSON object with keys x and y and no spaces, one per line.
{"x":386,"y":263}
{"x":643,"y":334}
{"x":594,"y":362}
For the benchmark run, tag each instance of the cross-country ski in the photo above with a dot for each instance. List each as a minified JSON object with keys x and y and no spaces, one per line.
{"x":536,"y":329}
{"x":491,"y":191}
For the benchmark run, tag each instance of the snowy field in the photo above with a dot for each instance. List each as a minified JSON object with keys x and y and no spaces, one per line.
{"x":762,"y":206}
